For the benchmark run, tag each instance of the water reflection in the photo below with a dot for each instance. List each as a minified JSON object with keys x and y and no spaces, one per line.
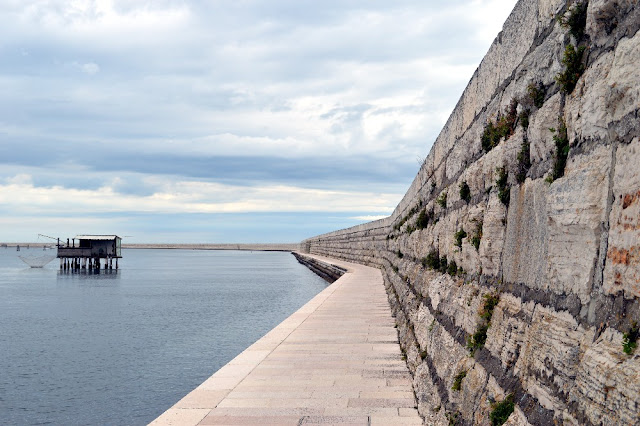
{"x":89,"y":273}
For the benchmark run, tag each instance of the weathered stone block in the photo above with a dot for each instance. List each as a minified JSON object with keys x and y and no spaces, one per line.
{"x":622,"y":270}
{"x":493,"y":230}
{"x":541,"y":143}
{"x":549,"y":358}
{"x":607,"y":384}
{"x":525,"y":247}
{"x":576,"y":210}
{"x":586,"y":108}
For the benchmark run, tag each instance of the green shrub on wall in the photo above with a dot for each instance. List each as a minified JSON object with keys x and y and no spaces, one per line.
{"x":503,"y":127}
{"x":574,"y":68}
{"x":424,"y":218}
{"x":500,"y":411}
{"x":442,"y":200}
{"x":457,"y":381}
{"x":561,"y":140}
{"x":524,"y":161}
{"x":575,"y":20}
{"x":503,"y":187}
{"x":477,"y":236}
{"x":459,"y":236}
{"x":630,"y":339}
{"x":432,"y":260}
{"x":536,"y":93}
{"x":465,"y":191}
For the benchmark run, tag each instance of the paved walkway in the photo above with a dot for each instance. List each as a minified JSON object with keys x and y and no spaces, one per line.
{"x":336,"y":360}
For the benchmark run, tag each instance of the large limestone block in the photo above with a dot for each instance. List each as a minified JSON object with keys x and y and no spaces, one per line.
{"x":551,"y":354}
{"x":429,"y":402}
{"x":624,"y":78}
{"x":461,"y":154}
{"x":525,"y":249}
{"x":622,"y":270}
{"x":518,"y":34}
{"x":493,"y":230}
{"x":469,"y":257}
{"x":607,"y":384}
{"x":540,"y":138}
{"x":508,"y":329}
{"x":586,"y":111}
{"x":473,"y":399}
{"x":604,"y":17}
{"x":607,"y":92}
{"x":576,"y":209}
{"x":548,"y":9}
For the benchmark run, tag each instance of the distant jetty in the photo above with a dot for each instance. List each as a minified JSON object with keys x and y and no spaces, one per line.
{"x":248,"y":247}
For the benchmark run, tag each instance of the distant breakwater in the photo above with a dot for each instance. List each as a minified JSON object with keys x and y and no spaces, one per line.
{"x":245,"y":247}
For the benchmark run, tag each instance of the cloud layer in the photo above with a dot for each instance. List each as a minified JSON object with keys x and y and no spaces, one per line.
{"x":175,"y":107}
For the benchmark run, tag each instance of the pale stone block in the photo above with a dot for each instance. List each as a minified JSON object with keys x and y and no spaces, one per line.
{"x":525,"y":246}
{"x":622,"y":270}
{"x":576,"y":209}
{"x":607,"y":384}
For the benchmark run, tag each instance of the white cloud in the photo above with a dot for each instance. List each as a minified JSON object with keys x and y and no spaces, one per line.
{"x":90,"y":68}
{"x":20,"y":194}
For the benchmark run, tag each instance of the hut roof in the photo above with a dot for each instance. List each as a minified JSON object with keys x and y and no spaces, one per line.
{"x":97,"y":237}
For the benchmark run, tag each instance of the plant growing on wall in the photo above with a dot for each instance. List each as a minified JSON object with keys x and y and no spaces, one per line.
{"x":443,"y":265}
{"x":477,"y":236}
{"x":457,"y":381}
{"x":459,"y":236}
{"x":630,"y":339}
{"x":561,"y":141}
{"x":442,"y":200}
{"x":503,"y":187}
{"x":424,"y":218}
{"x":536,"y":93}
{"x":432,"y":260}
{"x":478,"y":339}
{"x":574,"y":68}
{"x":452,"y":268}
{"x":524,"y":161}
{"x":452,"y":418}
{"x":465,"y":191}
{"x":575,"y":20}
{"x":491,"y":300}
{"x":490,"y":137}
{"x":500,"y":411}
{"x":503,"y":127}
{"x":524,"y":118}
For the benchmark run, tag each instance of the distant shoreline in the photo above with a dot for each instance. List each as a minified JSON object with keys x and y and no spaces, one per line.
{"x":246,"y":247}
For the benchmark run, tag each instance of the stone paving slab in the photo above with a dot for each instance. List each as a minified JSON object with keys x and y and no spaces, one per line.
{"x":335,"y":361}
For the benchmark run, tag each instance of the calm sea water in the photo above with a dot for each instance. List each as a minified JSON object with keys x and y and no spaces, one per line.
{"x":120,"y":348}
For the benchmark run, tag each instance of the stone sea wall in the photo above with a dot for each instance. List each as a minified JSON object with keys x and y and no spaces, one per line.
{"x":522,"y":288}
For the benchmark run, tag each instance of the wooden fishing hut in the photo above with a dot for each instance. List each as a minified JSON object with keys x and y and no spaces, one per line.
{"x":88,"y":252}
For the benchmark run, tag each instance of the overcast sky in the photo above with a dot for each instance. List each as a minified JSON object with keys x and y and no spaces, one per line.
{"x":224,"y":121}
